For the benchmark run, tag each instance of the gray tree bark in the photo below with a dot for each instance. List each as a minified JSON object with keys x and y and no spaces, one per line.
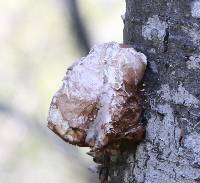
{"x":168,"y":32}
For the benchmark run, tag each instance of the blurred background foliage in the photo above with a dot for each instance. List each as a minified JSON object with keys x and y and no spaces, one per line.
{"x":38,"y":41}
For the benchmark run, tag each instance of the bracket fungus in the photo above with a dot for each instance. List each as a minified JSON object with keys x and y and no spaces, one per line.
{"x":99,"y":103}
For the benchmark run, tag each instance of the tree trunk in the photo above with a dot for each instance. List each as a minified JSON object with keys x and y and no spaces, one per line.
{"x":168,"y":33}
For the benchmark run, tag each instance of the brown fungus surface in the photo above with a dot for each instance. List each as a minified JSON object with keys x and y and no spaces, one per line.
{"x":99,"y":102}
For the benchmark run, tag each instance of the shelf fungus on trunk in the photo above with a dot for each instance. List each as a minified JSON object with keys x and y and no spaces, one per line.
{"x":99,"y":103}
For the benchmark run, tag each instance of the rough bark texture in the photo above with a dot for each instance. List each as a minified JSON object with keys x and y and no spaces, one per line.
{"x":168,"y":32}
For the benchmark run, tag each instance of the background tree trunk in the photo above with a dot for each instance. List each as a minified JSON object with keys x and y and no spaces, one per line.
{"x":168,"y":32}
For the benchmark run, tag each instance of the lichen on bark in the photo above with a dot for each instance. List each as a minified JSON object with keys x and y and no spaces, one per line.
{"x":170,"y":151}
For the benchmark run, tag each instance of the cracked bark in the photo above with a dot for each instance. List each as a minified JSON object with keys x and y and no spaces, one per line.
{"x":168,"y":32}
